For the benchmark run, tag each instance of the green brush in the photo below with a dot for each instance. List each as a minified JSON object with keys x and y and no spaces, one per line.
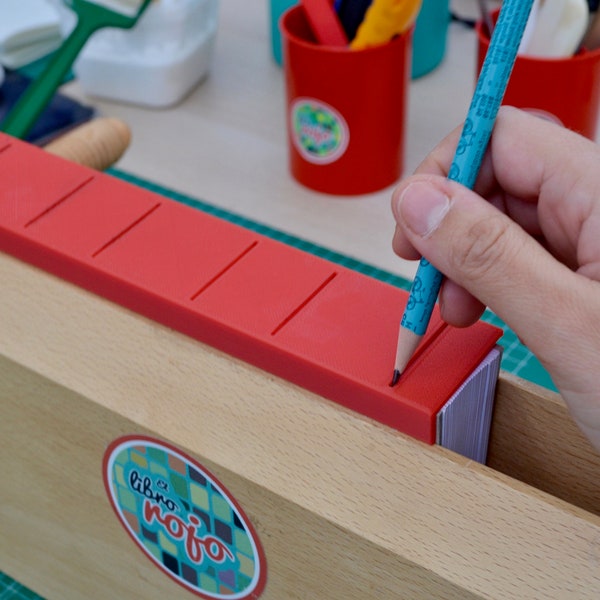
{"x":91,"y":16}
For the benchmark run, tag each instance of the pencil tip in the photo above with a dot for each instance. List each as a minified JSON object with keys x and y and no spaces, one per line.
{"x":395,"y":378}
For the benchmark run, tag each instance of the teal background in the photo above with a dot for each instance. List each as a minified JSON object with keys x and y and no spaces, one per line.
{"x":276,"y":9}
{"x":430,"y":35}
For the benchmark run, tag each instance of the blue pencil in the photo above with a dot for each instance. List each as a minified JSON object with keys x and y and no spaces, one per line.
{"x":477,"y":129}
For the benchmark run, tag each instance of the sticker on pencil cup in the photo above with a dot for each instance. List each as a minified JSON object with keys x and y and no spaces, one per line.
{"x":183,"y":519}
{"x":319,"y":132}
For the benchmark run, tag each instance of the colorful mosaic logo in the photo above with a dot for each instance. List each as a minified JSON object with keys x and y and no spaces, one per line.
{"x":319,"y":132}
{"x":183,"y":519}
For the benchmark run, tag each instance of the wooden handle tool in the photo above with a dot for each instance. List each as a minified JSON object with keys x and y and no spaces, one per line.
{"x":97,"y":144}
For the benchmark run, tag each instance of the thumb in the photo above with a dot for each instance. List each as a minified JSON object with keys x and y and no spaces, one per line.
{"x":492,"y":257}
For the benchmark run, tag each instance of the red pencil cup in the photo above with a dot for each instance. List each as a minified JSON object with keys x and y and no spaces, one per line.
{"x":346,"y":110}
{"x":563,"y":89}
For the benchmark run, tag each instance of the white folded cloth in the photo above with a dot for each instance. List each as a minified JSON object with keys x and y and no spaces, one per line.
{"x":29,"y":29}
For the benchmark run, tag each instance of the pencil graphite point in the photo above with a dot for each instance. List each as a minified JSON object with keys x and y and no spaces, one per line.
{"x":408,"y":341}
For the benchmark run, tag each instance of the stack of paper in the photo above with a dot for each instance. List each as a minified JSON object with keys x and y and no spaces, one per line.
{"x":29,"y":29}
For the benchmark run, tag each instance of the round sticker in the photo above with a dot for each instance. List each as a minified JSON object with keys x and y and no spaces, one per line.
{"x":183,"y":519}
{"x":319,"y":132}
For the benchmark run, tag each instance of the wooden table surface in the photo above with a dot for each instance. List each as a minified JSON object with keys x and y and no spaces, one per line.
{"x":225,"y":142}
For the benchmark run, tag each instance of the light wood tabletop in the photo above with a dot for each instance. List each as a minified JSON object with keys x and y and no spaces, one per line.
{"x":226,"y":143}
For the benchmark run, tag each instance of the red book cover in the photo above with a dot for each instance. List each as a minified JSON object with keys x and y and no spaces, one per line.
{"x":324,"y":327}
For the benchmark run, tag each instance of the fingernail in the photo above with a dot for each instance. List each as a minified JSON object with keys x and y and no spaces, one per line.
{"x":422,"y":207}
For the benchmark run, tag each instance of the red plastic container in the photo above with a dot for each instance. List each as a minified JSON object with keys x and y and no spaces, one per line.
{"x":564,"y":89}
{"x":346,"y":110}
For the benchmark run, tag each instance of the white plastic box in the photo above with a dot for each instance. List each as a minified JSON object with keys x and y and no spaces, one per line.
{"x":157,"y":62}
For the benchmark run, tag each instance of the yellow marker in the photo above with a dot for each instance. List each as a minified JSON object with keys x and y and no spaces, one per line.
{"x":383,"y":20}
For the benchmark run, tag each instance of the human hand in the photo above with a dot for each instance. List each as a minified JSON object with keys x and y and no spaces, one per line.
{"x":531,"y":252}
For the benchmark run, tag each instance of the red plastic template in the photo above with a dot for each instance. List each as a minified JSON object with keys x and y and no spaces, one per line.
{"x":324,"y":327}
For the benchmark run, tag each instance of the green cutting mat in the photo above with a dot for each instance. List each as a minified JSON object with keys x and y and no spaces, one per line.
{"x":517,"y":359}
